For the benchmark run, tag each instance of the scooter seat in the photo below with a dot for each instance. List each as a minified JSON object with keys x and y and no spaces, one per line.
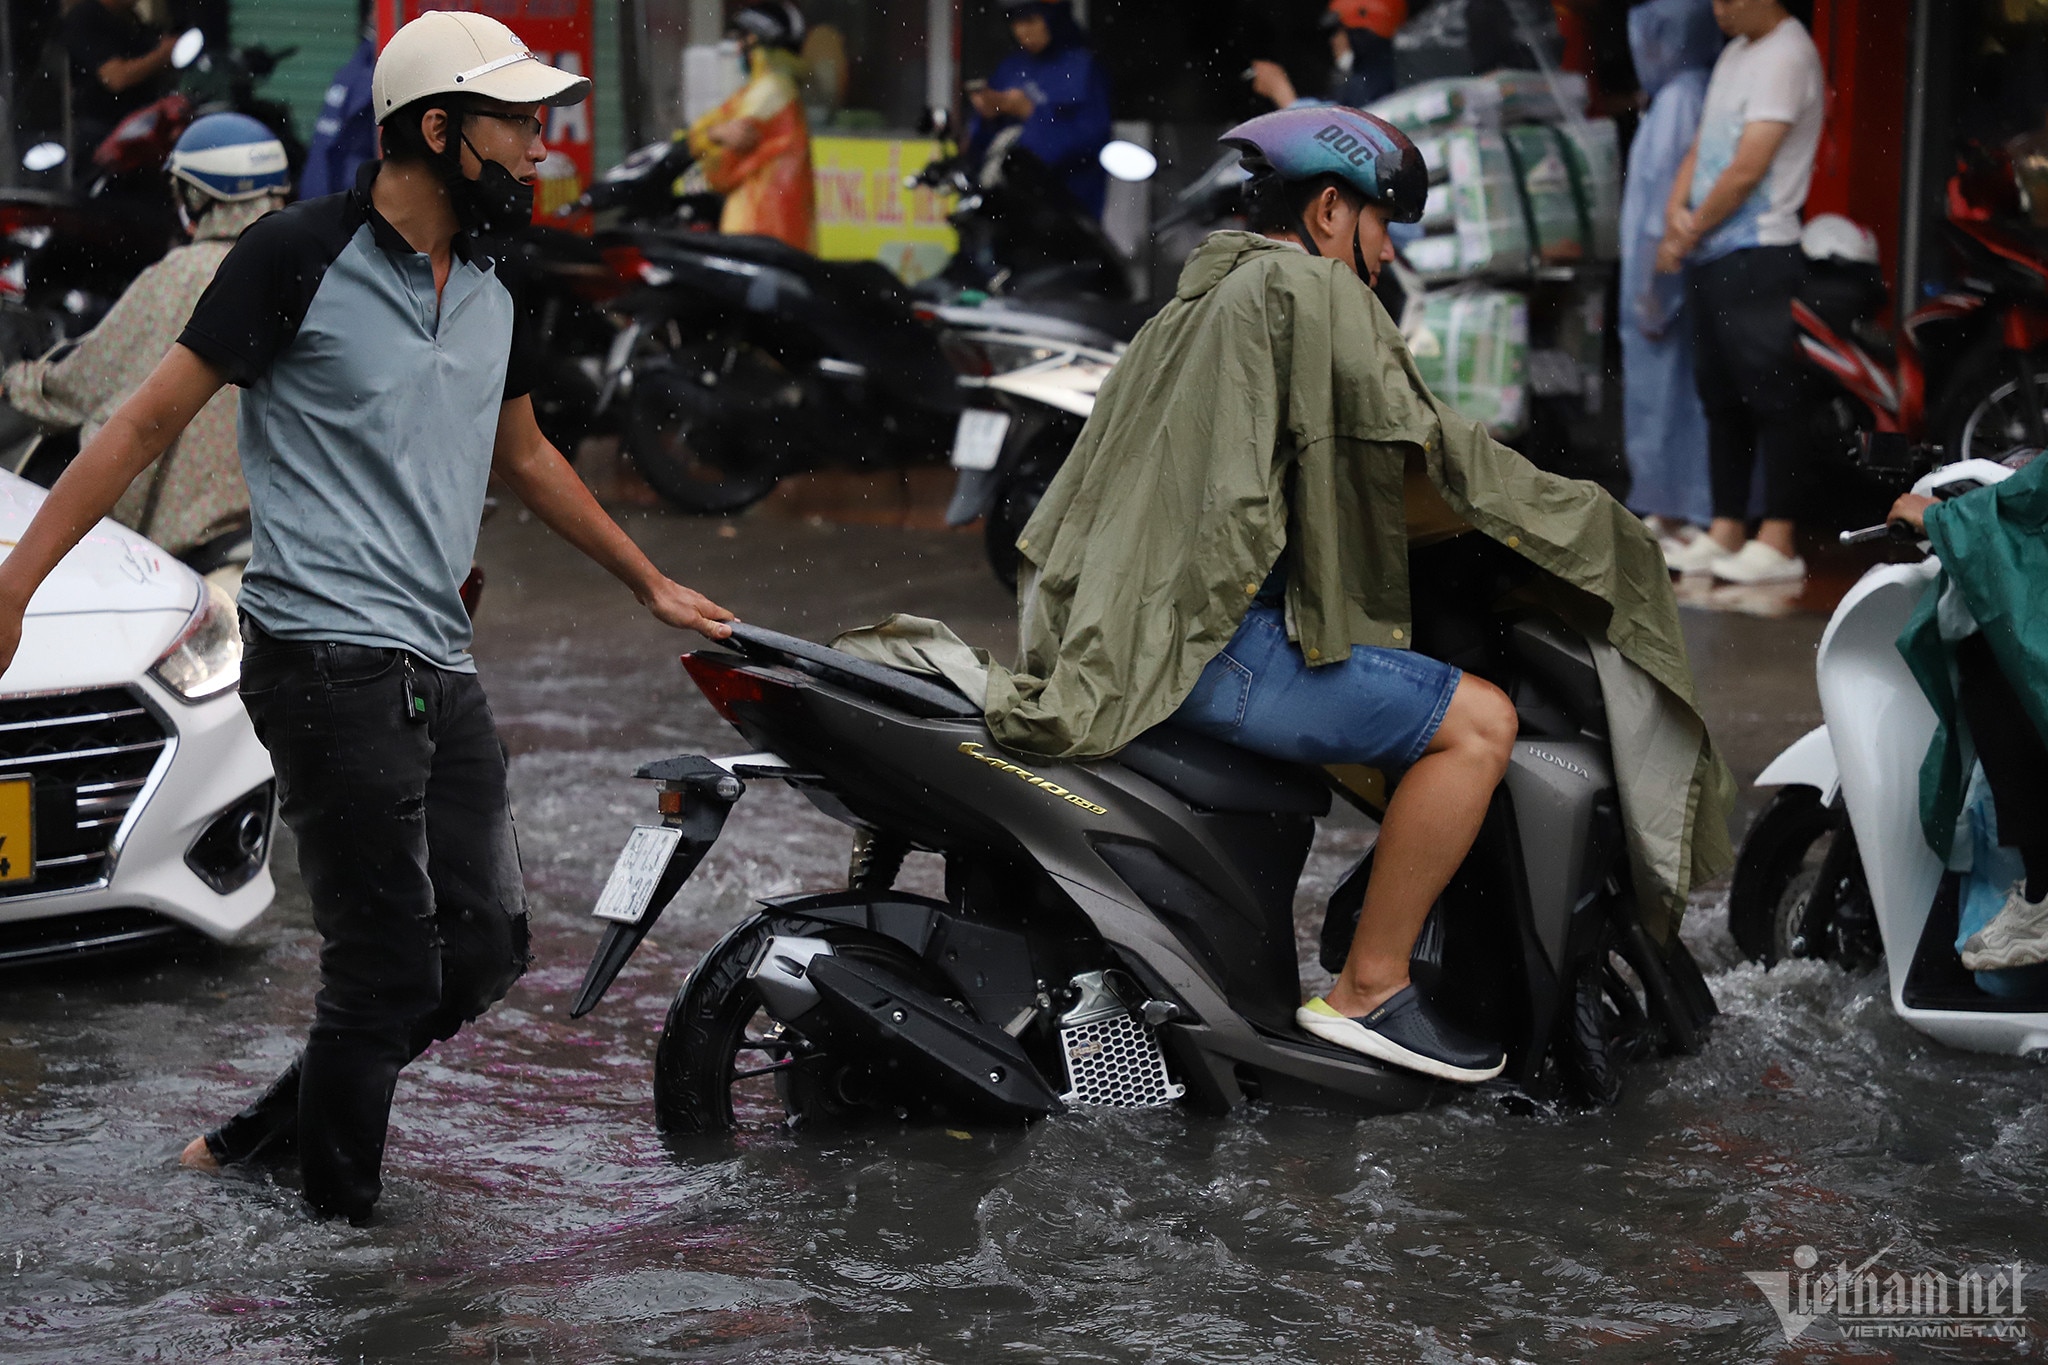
{"x":1211,"y":775}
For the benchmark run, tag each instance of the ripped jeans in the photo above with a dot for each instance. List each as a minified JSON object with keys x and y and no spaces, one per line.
{"x":405,"y":840}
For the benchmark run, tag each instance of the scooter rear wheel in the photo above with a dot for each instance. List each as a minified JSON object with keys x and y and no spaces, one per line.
{"x":723,"y":1065}
{"x":691,"y":453}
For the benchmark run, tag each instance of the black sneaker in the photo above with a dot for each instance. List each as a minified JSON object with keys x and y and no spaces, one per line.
{"x":1402,"y":1031}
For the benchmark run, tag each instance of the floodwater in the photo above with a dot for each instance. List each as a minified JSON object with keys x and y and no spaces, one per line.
{"x":532,"y":1213}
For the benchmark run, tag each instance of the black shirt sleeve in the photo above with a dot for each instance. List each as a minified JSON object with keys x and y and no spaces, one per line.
{"x":252,"y":310}
{"x":523,"y":365}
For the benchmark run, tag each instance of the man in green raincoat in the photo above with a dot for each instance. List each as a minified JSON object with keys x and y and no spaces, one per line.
{"x":1229,"y":546}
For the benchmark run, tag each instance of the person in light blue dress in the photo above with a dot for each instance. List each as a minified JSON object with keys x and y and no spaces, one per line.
{"x":1674,"y":43}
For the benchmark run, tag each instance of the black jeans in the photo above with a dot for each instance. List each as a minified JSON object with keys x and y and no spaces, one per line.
{"x":2014,"y":757}
{"x":405,"y":842}
{"x":1752,"y":380}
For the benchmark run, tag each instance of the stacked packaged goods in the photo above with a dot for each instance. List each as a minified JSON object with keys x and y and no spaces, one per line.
{"x":1594,"y":148}
{"x":1551,"y":199}
{"x":1471,"y":346}
{"x":1525,"y":198}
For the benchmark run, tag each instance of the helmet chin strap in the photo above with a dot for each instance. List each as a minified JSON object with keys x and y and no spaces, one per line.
{"x":1308,"y":243}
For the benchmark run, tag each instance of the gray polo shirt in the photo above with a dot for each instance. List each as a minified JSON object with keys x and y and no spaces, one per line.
{"x":368,"y":417}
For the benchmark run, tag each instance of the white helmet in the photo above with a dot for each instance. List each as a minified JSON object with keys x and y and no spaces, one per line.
{"x":1831,"y":237}
{"x":456,"y":52}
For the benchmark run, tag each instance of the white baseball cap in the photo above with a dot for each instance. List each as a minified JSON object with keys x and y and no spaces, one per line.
{"x":451,"y":52}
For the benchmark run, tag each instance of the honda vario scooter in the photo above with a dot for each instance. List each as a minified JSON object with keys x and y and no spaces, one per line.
{"x":1836,"y":866}
{"x":1119,"y":933}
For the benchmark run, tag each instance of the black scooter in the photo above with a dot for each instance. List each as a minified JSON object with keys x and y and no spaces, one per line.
{"x":743,"y":359}
{"x":1121,"y":932}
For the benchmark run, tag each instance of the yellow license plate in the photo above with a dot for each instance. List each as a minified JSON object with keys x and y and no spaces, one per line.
{"x":17,"y":830}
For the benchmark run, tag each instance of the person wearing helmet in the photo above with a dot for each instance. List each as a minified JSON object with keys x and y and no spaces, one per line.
{"x":1361,"y":34}
{"x":755,"y":148}
{"x":227,"y":171}
{"x":381,"y":387}
{"x":1053,"y":89}
{"x":1265,"y":494}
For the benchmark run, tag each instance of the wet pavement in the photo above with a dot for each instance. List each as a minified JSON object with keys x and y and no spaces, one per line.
{"x":532,"y":1213}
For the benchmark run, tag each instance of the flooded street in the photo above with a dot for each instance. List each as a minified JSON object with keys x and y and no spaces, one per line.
{"x":532,"y":1213}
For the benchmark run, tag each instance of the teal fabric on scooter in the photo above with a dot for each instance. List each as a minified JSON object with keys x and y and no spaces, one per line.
{"x":1993,"y":545}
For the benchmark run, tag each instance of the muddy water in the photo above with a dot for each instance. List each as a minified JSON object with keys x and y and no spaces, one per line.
{"x":533,"y":1214}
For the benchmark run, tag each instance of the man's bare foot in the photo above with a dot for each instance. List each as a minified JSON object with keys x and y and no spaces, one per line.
{"x":198,"y":1156}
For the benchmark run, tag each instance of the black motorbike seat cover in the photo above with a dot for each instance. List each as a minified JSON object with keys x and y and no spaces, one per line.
{"x":1211,"y":775}
{"x":906,"y":691}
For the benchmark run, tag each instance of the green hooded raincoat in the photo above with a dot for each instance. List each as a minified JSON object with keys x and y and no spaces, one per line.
{"x":1270,"y":365}
{"x":1993,"y":545}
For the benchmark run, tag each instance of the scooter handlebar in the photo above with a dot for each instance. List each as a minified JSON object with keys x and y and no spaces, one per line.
{"x":1890,"y":530}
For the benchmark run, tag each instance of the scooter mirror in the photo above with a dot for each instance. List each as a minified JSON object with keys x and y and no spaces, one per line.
{"x":44,"y":156}
{"x":1129,"y":162}
{"x":186,"y":50}
{"x":935,"y":122}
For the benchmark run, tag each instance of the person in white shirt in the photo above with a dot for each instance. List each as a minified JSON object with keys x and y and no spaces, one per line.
{"x":1733,"y":222}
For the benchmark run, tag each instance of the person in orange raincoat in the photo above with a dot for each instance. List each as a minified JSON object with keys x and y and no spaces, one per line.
{"x":755,"y":148}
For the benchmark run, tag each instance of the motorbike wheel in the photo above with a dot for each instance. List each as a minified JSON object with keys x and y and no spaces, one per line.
{"x":1799,"y":889}
{"x":693,"y":455}
{"x":723,"y":1064}
{"x":1983,"y":416}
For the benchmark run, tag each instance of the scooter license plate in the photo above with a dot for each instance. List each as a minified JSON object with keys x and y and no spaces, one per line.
{"x":978,"y":440}
{"x":631,"y":886}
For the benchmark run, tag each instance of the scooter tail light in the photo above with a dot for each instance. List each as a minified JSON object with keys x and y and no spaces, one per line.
{"x":728,"y":685}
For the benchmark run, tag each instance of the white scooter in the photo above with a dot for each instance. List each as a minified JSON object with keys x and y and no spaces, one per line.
{"x":1835,"y":866}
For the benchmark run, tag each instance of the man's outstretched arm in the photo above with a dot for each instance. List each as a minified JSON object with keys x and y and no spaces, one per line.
{"x":543,"y":480}
{"x":136,"y":434}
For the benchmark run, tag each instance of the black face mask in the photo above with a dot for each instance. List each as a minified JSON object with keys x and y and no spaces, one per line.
{"x":495,"y":202}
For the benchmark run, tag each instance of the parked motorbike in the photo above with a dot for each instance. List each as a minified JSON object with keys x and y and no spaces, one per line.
{"x":1969,"y":371}
{"x":1119,"y":932}
{"x":743,"y":359}
{"x":1835,"y":867}
{"x":66,"y":256}
{"x":1021,"y":233}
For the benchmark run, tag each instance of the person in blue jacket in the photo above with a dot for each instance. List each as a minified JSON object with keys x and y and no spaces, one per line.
{"x":1054,"y":88}
{"x":345,"y":135}
{"x":1674,"y":43}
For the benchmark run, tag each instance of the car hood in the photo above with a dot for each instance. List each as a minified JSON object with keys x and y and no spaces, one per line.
{"x":108,"y":612}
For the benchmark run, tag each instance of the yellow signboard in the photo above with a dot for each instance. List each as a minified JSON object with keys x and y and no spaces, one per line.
{"x":865,"y":214}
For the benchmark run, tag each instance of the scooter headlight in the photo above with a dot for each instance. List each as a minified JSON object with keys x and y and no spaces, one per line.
{"x":206,"y":658}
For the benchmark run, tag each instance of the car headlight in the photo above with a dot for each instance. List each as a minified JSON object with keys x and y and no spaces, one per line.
{"x":206,"y":658}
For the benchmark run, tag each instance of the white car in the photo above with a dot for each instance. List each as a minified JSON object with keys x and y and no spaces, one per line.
{"x":135,"y":801}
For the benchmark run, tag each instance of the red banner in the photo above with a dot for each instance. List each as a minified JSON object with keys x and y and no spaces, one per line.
{"x":560,"y":32}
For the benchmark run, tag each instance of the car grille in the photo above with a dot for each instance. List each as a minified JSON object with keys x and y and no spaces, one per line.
{"x":90,"y":754}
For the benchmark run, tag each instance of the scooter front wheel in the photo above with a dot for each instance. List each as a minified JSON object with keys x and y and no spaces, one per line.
{"x":1798,"y":889}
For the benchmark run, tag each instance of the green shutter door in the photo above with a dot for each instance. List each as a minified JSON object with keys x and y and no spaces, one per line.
{"x":325,"y":33}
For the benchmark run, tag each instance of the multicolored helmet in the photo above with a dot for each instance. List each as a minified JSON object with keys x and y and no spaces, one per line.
{"x":1368,"y":153}
{"x":230,"y":156}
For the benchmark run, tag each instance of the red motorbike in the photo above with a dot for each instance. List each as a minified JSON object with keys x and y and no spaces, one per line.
{"x":1969,"y":370}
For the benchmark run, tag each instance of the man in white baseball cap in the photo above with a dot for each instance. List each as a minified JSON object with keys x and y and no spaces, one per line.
{"x":383,"y":382}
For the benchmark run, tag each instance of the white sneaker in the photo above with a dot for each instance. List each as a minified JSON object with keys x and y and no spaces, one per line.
{"x":1757,"y":562}
{"x":1699,"y":555}
{"x":2017,"y":935}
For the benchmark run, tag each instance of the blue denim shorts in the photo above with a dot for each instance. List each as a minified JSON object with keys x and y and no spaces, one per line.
{"x":1380,"y":707}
